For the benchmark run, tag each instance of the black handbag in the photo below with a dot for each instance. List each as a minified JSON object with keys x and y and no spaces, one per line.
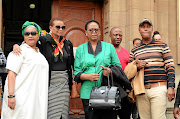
{"x":105,"y":97}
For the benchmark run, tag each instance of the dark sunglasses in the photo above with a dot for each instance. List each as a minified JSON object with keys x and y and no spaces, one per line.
{"x":58,"y":27}
{"x":33,"y":33}
{"x":92,"y":30}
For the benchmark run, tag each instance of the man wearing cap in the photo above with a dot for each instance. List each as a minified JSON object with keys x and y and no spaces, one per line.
{"x":159,"y":73}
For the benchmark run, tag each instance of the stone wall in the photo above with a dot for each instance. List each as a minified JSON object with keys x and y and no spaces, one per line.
{"x":1,"y":22}
{"x":127,"y":14}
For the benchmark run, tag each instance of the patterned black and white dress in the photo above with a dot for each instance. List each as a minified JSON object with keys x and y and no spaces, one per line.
{"x":58,"y":96}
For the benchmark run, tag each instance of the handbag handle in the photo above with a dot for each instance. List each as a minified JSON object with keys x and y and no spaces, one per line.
{"x":109,"y":85}
{"x":107,"y":77}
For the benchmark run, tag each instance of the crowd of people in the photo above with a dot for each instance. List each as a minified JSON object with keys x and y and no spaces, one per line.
{"x":40,"y":70}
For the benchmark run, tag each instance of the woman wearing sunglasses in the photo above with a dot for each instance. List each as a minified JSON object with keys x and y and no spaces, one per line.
{"x":90,"y":58}
{"x":26,"y":87}
{"x":59,"y":54}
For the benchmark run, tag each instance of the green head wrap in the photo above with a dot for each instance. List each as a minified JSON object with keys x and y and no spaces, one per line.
{"x":27,"y":23}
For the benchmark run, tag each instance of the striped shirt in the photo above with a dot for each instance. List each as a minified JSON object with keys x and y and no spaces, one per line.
{"x":160,"y":67}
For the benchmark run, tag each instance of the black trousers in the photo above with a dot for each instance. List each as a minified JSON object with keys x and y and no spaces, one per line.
{"x":135,"y":114}
{"x":97,"y":114}
{"x":125,"y":111}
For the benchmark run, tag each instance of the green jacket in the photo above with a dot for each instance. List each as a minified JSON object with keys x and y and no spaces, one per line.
{"x":87,"y":61}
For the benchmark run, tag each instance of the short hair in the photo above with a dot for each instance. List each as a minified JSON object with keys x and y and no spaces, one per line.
{"x":136,"y":40}
{"x":54,"y":19}
{"x":90,"y":22}
{"x":115,"y":28}
{"x":155,"y":33}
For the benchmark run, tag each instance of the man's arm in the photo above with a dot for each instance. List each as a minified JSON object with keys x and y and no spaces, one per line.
{"x":170,"y":71}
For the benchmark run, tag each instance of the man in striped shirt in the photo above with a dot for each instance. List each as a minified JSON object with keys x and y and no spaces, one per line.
{"x":159,"y":73}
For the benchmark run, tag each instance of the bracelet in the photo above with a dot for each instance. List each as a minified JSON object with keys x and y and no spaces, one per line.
{"x":11,"y":96}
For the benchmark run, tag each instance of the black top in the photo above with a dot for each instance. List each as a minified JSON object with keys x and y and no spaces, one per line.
{"x":60,"y":64}
{"x":46,"y":45}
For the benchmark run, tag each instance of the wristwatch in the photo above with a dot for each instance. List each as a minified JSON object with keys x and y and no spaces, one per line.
{"x":11,"y":96}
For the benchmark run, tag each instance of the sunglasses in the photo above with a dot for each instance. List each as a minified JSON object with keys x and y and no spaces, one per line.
{"x":33,"y":33}
{"x":58,"y":27}
{"x":92,"y":30}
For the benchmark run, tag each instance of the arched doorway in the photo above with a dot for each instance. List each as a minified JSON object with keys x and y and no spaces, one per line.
{"x":75,"y":14}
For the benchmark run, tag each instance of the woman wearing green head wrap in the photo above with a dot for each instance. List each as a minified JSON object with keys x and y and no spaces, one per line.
{"x":33,"y":24}
{"x":59,"y":54}
{"x":26,"y":87}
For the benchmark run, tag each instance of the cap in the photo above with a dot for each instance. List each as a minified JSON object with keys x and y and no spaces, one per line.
{"x":145,"y":20}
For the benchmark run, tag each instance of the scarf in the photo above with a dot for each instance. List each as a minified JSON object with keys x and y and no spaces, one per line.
{"x":58,"y":48}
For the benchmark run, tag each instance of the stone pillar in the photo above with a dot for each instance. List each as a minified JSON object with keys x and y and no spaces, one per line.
{"x":106,"y":20}
{"x":162,"y":18}
{"x":114,"y":16}
{"x":1,"y":23}
{"x":136,"y":11}
{"x":126,"y":14}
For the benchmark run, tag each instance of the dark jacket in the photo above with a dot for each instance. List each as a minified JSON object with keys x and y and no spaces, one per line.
{"x":45,"y":45}
{"x":119,"y":79}
{"x":177,"y":101}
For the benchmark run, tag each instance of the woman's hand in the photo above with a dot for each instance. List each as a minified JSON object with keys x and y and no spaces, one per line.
{"x":16,"y":49}
{"x":105,"y":70}
{"x":93,"y":77}
{"x":11,"y":103}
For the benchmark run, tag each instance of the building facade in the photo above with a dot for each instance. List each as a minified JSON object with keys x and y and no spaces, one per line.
{"x":125,"y":14}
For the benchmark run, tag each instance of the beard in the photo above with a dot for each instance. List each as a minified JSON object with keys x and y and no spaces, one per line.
{"x":116,"y":44}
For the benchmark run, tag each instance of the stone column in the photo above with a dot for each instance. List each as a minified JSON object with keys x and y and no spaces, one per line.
{"x":162,"y":18}
{"x":126,"y":14}
{"x":1,"y":23}
{"x":136,"y":11}
{"x":114,"y":16}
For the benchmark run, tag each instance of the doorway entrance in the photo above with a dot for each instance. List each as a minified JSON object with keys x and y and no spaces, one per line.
{"x":75,"y":14}
{"x":15,"y":13}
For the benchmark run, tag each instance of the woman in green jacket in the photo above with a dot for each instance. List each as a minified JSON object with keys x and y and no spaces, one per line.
{"x":89,"y":57}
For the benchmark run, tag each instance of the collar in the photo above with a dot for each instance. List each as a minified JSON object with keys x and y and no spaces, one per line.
{"x":153,"y":40}
{"x":98,"y":48}
{"x":51,"y":40}
{"x":26,"y":45}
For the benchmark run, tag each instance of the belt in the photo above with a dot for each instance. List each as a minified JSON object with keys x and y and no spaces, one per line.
{"x":149,"y":86}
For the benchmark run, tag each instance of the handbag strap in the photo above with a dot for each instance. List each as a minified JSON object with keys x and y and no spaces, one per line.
{"x":108,"y":88}
{"x":108,"y":78}
{"x":112,"y":82}
{"x":97,"y":80}
{"x":109,"y":85}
